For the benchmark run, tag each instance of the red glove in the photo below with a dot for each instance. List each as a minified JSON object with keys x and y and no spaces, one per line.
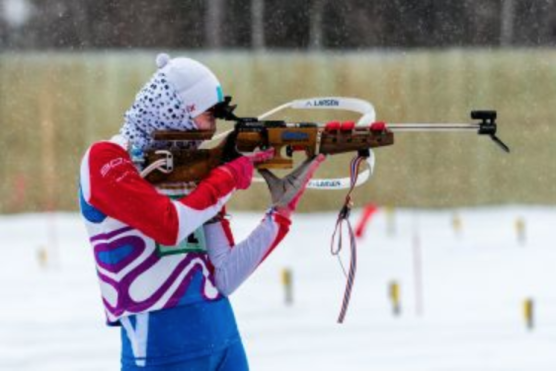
{"x":261,"y":156}
{"x":241,"y":169}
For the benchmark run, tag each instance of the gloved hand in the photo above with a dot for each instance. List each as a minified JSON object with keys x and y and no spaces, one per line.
{"x":260,"y":156}
{"x":242,"y":167}
{"x":286,"y":192}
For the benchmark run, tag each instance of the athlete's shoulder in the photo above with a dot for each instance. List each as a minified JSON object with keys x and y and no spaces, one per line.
{"x":105,"y":154}
{"x":117,"y":146}
{"x":101,"y":158}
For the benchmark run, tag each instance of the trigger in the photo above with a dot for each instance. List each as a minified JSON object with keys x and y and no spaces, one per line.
{"x":289,"y":151}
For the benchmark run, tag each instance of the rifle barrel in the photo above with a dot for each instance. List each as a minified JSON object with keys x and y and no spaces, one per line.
{"x":432,"y":127}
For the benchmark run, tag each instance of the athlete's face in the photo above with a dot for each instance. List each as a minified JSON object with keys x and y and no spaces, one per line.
{"x":206,"y":121}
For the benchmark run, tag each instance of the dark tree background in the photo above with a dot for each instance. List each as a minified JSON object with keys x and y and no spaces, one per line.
{"x":293,"y":24}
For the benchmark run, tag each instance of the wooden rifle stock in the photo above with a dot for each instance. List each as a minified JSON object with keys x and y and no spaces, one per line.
{"x":249,"y":135}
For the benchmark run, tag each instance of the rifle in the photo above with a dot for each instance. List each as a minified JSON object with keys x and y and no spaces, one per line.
{"x":175,"y":164}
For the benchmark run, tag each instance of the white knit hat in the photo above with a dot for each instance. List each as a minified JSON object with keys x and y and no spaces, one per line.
{"x":193,"y":82}
{"x":180,"y":90}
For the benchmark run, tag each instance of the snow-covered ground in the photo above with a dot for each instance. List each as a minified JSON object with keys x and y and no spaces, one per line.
{"x":467,"y":313}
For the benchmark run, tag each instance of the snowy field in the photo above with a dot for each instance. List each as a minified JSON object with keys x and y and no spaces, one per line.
{"x":462,"y":295}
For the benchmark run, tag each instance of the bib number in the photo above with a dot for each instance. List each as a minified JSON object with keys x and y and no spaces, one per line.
{"x":195,"y":242}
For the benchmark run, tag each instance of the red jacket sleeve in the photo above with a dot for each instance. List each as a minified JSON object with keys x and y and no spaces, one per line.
{"x":114,"y":186}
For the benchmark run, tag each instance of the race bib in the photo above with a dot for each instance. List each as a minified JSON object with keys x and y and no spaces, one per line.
{"x":195,"y":242}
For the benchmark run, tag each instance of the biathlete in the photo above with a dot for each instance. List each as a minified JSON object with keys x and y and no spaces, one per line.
{"x":165,"y":256}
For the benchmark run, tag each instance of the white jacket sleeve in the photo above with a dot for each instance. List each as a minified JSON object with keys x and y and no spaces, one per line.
{"x":234,"y":263}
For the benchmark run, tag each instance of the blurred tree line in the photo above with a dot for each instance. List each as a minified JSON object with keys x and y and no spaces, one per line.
{"x":297,"y":24}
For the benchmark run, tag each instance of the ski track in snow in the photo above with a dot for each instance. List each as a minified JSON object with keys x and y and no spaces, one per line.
{"x":473,"y":288}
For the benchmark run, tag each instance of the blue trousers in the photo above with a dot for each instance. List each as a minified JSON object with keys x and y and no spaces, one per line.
{"x":232,"y":358}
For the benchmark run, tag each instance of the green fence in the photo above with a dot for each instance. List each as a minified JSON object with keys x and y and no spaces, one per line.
{"x":52,"y":106}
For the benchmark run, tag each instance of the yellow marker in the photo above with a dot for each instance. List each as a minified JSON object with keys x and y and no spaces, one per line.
{"x":520,"y":230}
{"x":457,"y":224}
{"x":394,"y":293}
{"x":42,"y":257}
{"x":287,"y":282}
{"x":529,"y":313}
{"x":390,"y":220}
